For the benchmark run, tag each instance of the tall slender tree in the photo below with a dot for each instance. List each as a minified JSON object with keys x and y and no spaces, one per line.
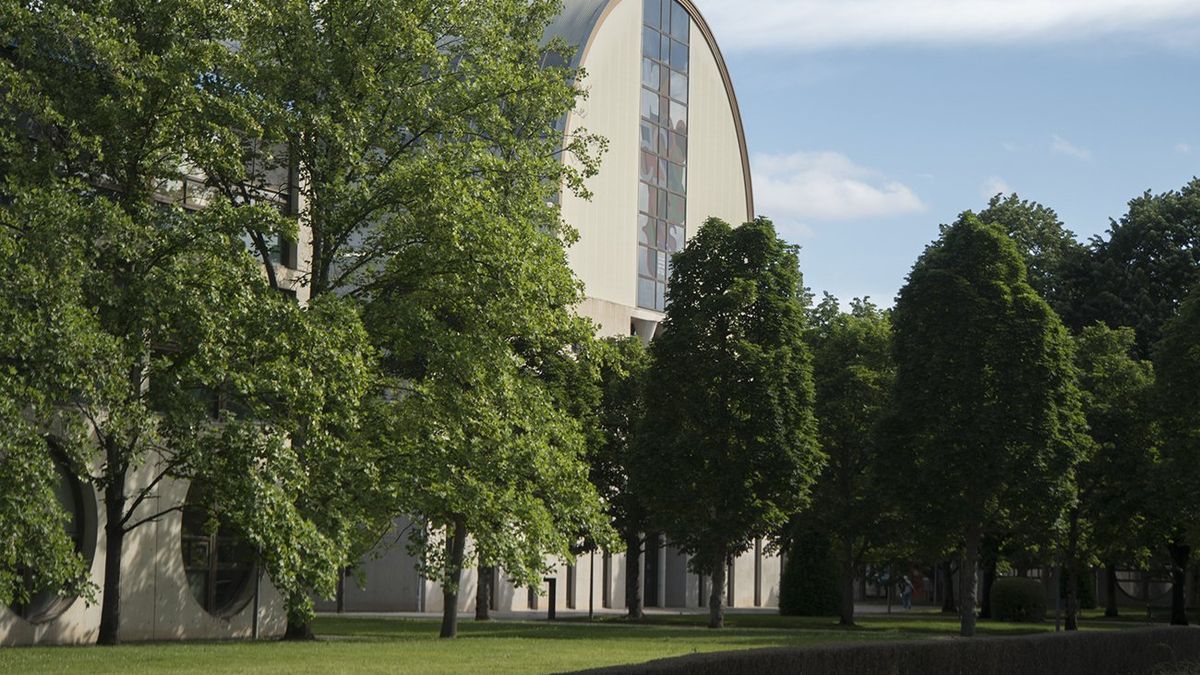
{"x":729,"y":429}
{"x":1177,"y":365}
{"x":853,"y":372}
{"x":986,"y":422}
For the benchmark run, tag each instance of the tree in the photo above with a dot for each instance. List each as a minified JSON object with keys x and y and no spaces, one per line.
{"x":1177,"y":366}
{"x":986,"y":419}
{"x":1149,"y":262}
{"x":476,"y":328}
{"x":729,"y":399}
{"x":197,"y":372}
{"x":1116,"y":480}
{"x":404,"y":121}
{"x":623,"y":365}
{"x":852,"y":372}
{"x":1053,"y":256}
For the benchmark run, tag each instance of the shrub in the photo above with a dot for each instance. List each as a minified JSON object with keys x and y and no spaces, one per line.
{"x":809,"y":585}
{"x":1018,"y":599}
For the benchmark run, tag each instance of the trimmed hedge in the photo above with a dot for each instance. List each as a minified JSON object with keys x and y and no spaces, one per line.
{"x":1018,"y":599}
{"x":809,"y":584}
{"x":1110,"y":652}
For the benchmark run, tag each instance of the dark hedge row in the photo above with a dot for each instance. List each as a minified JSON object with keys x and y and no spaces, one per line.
{"x":1120,"y":652}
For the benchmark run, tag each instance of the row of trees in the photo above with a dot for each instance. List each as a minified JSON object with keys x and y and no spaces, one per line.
{"x":972,"y":425}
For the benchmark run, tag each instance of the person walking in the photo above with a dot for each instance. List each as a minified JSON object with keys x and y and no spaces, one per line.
{"x":906,"y":592}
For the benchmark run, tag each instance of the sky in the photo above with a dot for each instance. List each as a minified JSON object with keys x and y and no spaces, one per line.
{"x":871,"y":122}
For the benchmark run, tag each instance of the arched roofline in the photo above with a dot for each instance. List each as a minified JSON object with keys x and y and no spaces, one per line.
{"x":589,"y":16}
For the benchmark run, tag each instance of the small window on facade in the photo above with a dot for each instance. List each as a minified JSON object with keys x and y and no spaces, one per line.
{"x":218,"y":563}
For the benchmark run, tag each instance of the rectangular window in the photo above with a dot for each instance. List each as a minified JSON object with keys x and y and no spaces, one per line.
{"x":680,"y":22}
{"x":646,"y":293}
{"x":676,"y":209}
{"x":679,"y":56}
{"x":679,"y":86}
{"x":650,"y":74}
{"x":651,"y":44}
{"x":652,"y":13}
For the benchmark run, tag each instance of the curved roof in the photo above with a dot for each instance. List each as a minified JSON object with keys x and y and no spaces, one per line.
{"x":578,"y":23}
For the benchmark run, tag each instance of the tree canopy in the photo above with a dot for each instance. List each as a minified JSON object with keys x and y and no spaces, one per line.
{"x":729,"y":398}
{"x":986,"y":423}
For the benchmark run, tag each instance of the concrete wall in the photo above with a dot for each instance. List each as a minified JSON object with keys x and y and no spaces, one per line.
{"x":156,"y":602}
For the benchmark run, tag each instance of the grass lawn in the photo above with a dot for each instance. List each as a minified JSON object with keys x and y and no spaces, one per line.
{"x":411,"y":645}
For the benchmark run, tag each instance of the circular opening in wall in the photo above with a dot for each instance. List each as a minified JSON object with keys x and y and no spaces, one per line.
{"x":219,"y":563}
{"x":78,"y":501}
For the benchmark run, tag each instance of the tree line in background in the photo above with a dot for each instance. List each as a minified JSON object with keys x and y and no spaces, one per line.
{"x":1004,"y":413}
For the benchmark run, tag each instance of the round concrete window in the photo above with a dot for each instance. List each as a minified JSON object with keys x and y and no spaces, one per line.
{"x":219,"y":563}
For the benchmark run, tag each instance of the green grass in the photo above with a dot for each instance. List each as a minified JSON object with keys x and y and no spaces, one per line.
{"x":411,"y":645}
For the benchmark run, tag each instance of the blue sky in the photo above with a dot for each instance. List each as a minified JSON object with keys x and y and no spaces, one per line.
{"x":870,"y":122}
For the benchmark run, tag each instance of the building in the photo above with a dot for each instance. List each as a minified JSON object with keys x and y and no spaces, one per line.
{"x":660,"y":93}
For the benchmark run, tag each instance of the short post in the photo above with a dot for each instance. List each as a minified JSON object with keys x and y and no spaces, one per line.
{"x":553,"y":596}
{"x":258,"y":572}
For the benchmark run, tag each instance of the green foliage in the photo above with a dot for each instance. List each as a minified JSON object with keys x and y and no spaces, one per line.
{"x":176,"y":358}
{"x":405,"y":116}
{"x":853,"y":373}
{"x":623,"y":362}
{"x":809,"y":584}
{"x":1148,"y":264}
{"x":1176,"y":400}
{"x":1116,"y":481}
{"x":1051,"y":253}
{"x":1019,"y":599}
{"x":729,"y":439}
{"x":987,"y":425}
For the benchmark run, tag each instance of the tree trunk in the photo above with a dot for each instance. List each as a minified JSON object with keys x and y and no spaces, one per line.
{"x":1110,"y":590}
{"x":455,"y":548}
{"x":847,"y":618}
{"x":114,"y":544}
{"x":968,"y":574}
{"x":949,"y":606}
{"x":298,"y":631}
{"x":1179,"y":562}
{"x":1072,"y":618}
{"x":483,"y":593}
{"x":987,"y":570}
{"x":716,"y":596}
{"x":633,"y":575}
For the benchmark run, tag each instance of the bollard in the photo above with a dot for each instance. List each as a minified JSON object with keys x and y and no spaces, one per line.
{"x":553,"y":596}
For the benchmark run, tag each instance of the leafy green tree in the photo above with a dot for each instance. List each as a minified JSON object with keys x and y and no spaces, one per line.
{"x":729,"y":428}
{"x":1149,"y":262}
{"x":109,"y":108}
{"x":1053,"y":256}
{"x":475,"y":328}
{"x":397,"y":113}
{"x":1115,"y":481}
{"x":986,"y":420}
{"x":853,"y":373}
{"x":1177,"y":368}
{"x":623,"y":365}
{"x":43,"y":347}
{"x":407,"y":123}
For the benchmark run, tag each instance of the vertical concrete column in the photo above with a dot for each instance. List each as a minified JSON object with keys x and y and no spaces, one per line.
{"x":662,"y":570}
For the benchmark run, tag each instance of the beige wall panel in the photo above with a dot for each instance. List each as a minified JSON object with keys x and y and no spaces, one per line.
{"x":605,"y":255}
{"x":716,"y":179}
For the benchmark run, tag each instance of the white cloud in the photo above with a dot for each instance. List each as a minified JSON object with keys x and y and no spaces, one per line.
{"x":993,"y":186}
{"x":1062,"y":146}
{"x":1183,"y":148}
{"x":824,"y":186}
{"x":807,"y":25}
